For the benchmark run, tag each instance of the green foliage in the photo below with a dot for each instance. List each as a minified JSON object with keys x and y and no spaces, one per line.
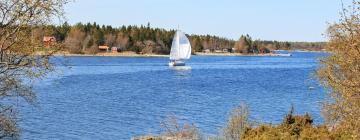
{"x":99,"y":37}
{"x":293,"y":127}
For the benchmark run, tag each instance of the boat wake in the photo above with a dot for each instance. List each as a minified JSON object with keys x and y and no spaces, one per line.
{"x":180,"y":68}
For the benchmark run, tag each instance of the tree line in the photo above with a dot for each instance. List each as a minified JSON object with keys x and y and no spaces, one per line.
{"x":85,"y":38}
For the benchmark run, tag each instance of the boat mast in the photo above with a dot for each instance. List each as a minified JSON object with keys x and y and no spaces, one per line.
{"x":178,"y":43}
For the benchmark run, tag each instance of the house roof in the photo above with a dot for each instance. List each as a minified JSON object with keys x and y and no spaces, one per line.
{"x":103,"y":47}
{"x":49,"y":38}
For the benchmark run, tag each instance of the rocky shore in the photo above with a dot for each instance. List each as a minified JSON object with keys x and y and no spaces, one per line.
{"x":157,"y":138}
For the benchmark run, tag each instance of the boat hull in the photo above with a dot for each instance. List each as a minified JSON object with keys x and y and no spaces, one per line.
{"x":176,"y":63}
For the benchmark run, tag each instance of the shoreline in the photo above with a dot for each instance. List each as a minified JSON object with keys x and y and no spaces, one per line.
{"x":240,"y":54}
{"x":160,"y":55}
{"x":112,"y":55}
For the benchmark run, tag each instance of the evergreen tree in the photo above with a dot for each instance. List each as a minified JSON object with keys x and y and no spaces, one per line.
{"x":99,"y":37}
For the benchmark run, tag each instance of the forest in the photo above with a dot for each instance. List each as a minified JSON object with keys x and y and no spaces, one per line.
{"x":85,"y":39}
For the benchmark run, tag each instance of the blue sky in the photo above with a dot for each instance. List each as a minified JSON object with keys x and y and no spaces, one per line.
{"x":290,"y":20}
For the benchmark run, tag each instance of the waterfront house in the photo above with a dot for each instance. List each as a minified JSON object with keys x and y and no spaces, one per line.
{"x":48,"y":40}
{"x":104,"y":48}
{"x":114,"y":49}
{"x":226,"y":50}
{"x":207,"y":51}
{"x":218,"y":51}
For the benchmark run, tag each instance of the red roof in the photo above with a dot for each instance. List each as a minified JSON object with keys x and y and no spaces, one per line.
{"x":49,"y":38}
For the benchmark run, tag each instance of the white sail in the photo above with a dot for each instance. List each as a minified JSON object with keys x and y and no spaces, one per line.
{"x":180,"y":48}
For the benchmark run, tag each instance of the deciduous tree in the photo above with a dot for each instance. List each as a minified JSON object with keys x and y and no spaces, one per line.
{"x":340,"y":72}
{"x":22,"y":57}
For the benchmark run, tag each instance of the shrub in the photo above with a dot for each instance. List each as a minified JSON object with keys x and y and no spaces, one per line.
{"x":292,"y":127}
{"x":172,"y":128}
{"x":237,"y":122}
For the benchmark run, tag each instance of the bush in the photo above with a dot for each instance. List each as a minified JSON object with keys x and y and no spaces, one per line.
{"x":292,"y":127}
{"x":172,"y":128}
{"x":237,"y":122}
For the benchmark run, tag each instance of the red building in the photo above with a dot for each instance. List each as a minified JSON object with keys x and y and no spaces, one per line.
{"x":48,"y":40}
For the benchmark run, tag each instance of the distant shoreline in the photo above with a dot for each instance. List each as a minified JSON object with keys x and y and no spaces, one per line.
{"x":112,"y":55}
{"x":160,"y":55}
{"x":239,"y":54}
{"x":300,"y":50}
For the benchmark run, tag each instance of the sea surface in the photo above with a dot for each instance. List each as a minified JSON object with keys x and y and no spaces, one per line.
{"x":120,"y":97}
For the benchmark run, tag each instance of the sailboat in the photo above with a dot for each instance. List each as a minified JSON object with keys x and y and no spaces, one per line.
{"x":180,"y":49}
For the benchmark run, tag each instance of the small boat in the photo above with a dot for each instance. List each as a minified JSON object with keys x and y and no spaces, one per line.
{"x":180,"y":49}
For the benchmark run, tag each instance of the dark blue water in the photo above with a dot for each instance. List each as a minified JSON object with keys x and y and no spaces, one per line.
{"x":121,"y":97}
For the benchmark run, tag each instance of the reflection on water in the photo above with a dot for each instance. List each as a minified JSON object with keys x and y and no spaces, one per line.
{"x":181,"y":72}
{"x":181,"y":68}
